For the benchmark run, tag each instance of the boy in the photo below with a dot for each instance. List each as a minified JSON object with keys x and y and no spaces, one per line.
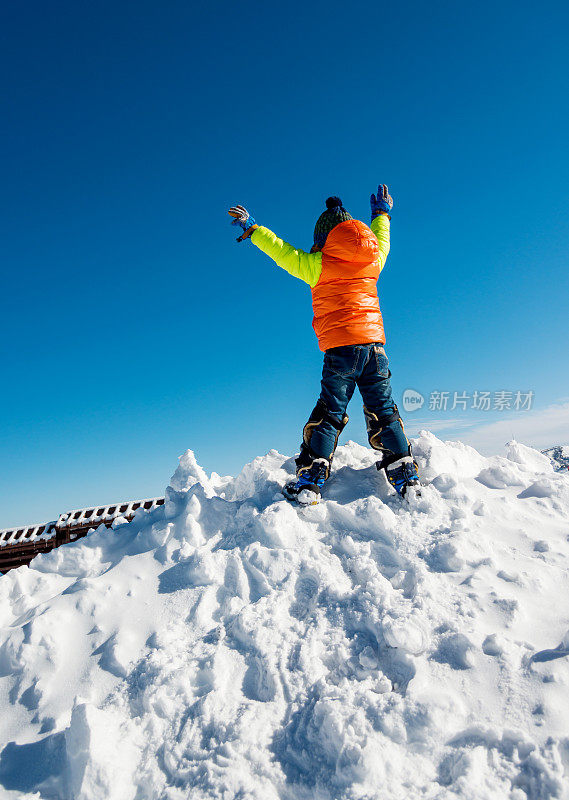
{"x":342,"y":269}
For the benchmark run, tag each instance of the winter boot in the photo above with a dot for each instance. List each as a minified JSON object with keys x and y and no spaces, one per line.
{"x":306,"y":489}
{"x":403,"y":475}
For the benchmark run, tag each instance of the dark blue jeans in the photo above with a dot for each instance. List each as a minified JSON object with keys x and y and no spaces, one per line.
{"x":367,"y":367}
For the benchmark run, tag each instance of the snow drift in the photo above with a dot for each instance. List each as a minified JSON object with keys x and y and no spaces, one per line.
{"x":230,"y":645}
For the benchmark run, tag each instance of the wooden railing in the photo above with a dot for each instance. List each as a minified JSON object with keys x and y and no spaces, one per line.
{"x":19,"y":545}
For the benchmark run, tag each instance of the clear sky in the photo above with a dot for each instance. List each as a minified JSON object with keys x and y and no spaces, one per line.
{"x":134,"y":326}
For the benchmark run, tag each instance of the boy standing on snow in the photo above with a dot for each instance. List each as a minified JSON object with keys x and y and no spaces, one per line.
{"x":342,"y":269}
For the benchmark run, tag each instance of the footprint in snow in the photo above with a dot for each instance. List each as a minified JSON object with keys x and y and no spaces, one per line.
{"x":235,"y":580}
{"x":456,"y":650}
{"x":259,"y":683}
{"x":305,"y":591}
{"x":444,"y":557}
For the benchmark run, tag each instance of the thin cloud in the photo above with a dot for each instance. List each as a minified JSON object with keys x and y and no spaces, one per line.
{"x":413,"y":425}
{"x":540,"y":429}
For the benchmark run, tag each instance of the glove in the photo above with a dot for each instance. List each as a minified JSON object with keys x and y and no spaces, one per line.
{"x":241,"y":218}
{"x":383,"y":203}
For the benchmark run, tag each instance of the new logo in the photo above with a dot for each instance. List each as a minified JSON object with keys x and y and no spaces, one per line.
{"x":412,"y":400}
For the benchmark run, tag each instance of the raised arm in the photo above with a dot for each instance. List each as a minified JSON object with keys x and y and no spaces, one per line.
{"x":381,"y":205}
{"x":303,"y":265}
{"x":380,"y":226}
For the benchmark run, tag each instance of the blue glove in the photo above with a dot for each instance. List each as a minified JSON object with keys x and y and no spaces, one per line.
{"x":382,"y":203}
{"x":241,"y":218}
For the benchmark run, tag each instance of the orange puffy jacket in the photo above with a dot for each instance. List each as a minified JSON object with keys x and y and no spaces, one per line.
{"x":345,"y":302}
{"x":343,"y":277}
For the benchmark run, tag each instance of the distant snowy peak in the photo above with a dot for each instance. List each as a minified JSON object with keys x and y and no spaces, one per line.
{"x":559,"y":455}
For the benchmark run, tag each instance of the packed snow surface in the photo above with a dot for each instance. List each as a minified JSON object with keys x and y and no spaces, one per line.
{"x":231,"y":645}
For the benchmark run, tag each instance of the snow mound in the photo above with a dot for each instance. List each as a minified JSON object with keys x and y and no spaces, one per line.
{"x":230,"y":645}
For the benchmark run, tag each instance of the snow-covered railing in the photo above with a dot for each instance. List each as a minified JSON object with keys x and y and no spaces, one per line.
{"x":30,"y":533}
{"x":94,"y":516}
{"x":19,"y":545}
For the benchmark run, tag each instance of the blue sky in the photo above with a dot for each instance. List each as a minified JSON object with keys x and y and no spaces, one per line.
{"x":135,"y":327}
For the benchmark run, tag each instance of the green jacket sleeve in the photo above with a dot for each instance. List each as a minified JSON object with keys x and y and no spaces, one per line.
{"x":306,"y":266}
{"x":380,"y":226}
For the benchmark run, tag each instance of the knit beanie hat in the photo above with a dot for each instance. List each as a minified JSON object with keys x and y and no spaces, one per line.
{"x":334,"y":214}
